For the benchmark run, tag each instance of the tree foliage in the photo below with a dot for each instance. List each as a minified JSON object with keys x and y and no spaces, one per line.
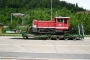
{"x":40,"y":10}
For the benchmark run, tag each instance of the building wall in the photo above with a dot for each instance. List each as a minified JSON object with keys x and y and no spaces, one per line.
{"x":0,"y":30}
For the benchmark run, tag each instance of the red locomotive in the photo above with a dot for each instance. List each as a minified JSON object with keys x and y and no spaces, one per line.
{"x":57,"y":25}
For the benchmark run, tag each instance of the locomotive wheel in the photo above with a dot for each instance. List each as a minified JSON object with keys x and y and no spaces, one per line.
{"x":25,"y":37}
{"x":57,"y":38}
{"x":74,"y":38}
{"x":49,"y":38}
{"x":65,"y":38}
{"x":81,"y":38}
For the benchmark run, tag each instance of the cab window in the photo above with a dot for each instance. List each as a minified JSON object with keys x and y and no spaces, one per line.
{"x":59,"y":20}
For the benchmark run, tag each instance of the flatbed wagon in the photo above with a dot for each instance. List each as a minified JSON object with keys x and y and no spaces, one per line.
{"x":56,"y":37}
{"x":54,"y":29}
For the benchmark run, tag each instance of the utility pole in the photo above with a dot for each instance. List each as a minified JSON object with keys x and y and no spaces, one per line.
{"x":51,"y":9}
{"x":56,"y":13}
{"x":22,"y":18}
{"x":11,"y":18}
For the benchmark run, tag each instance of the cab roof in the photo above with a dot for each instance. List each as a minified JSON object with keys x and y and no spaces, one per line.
{"x":62,"y":17}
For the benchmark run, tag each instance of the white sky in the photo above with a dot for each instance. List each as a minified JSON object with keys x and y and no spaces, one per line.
{"x":81,"y":3}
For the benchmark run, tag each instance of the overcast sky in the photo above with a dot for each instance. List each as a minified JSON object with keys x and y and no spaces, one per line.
{"x":81,"y":3}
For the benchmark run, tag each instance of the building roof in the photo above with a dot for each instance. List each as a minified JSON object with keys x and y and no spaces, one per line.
{"x":86,"y":12}
{"x":1,"y":24}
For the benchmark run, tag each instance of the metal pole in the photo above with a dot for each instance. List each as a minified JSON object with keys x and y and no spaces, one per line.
{"x":11,"y":18}
{"x":82,"y":31}
{"x":79,"y":29}
{"x":56,"y":13}
{"x":51,"y":9}
{"x":22,"y":19}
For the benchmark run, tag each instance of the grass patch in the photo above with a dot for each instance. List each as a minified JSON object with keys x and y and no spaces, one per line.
{"x":11,"y":34}
{"x":87,"y":35}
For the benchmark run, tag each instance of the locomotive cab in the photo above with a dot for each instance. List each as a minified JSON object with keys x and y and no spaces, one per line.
{"x":62,"y":24}
{"x":58,"y":25}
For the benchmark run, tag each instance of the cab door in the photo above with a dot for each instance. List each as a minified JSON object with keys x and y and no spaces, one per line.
{"x":66,"y":24}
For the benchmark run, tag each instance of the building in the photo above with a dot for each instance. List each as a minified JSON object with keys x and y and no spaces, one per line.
{"x":1,"y":28}
{"x":80,"y":12}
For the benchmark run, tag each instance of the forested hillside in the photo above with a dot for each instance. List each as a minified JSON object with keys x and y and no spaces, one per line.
{"x":40,"y":9}
{"x":30,"y":4}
